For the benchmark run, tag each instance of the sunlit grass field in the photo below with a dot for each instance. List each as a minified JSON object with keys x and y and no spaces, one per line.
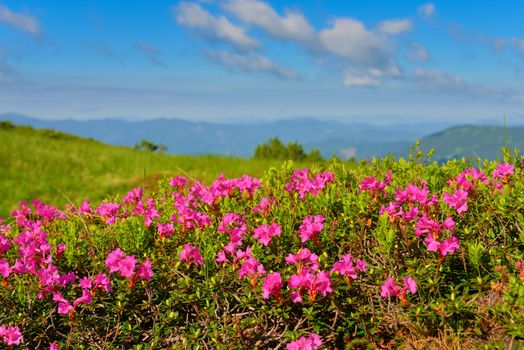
{"x":59,"y":168}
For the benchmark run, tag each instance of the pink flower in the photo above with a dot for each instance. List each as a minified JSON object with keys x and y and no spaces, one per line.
{"x":251,"y":268}
{"x":10,"y":335}
{"x":126,"y":266}
{"x":310,"y":283}
{"x":178,"y":182}
{"x":272,"y":285}
{"x":54,"y":346}
{"x":370,"y":184}
{"x":101,"y":281}
{"x":134,"y":196}
{"x":311,"y":226}
{"x":503,"y":170}
{"x":85,"y":298}
{"x":113,"y":260}
{"x":191,"y":255}
{"x":145,"y":271}
{"x":448,"y":246}
{"x":165,"y":230}
{"x":312,"y":342}
{"x":449,"y":224}
{"x":410,"y":285}
{"x":221,"y":257}
{"x":64,"y":306}
{"x":85,"y":208}
{"x":5,"y":269}
{"x":347,"y":267}
{"x":303,"y":259}
{"x":459,"y":200}
{"x":264,"y":233}
{"x":390,"y":289}
{"x":85,"y":283}
{"x":4,"y":244}
{"x":413,"y":194}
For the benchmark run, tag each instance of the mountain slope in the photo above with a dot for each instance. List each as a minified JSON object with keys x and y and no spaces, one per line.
{"x":472,"y":141}
{"x":57,"y":168}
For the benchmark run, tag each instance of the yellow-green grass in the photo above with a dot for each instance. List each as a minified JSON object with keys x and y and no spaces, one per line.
{"x":58,"y":168}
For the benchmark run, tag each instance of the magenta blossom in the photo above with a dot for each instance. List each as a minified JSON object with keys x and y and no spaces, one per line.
{"x":145,"y":271}
{"x":458,"y":200}
{"x":503,"y":170}
{"x":347,"y":266}
{"x":191,"y":255}
{"x":5,"y":269}
{"x":10,"y":335}
{"x":310,"y":283}
{"x":251,"y":268}
{"x":113,"y":260}
{"x":272,"y":285}
{"x":178,"y":182}
{"x":126,"y":266}
{"x":165,"y":230}
{"x":390,"y":289}
{"x":304,"y":259}
{"x":311,"y":227}
{"x":448,"y":246}
{"x":264,"y":233}
{"x":312,"y":342}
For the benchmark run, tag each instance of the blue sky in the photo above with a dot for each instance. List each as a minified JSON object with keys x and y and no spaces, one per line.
{"x":228,"y":60}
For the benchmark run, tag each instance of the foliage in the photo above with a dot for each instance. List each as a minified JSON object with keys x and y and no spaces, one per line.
{"x":389,"y":254}
{"x":146,"y":145}
{"x":275,"y":149}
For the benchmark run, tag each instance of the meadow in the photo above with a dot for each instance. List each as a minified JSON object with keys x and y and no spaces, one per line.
{"x":402,"y":253}
{"x":60,"y":168}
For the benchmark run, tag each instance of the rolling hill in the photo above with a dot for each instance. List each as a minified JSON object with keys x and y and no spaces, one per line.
{"x":57,"y":168}
{"x":471,"y":141}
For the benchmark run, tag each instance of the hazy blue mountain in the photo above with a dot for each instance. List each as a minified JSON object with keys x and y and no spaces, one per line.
{"x":240,"y":139}
{"x":471,"y":141}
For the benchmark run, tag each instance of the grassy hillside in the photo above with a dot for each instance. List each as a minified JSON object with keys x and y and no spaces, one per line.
{"x":56,"y":167}
{"x":472,"y":141}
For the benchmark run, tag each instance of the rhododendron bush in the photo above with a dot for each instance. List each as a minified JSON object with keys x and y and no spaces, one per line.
{"x":386,"y":254}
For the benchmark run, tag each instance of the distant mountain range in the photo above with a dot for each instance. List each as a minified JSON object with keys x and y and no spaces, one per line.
{"x":472,"y":141}
{"x":345,"y":140}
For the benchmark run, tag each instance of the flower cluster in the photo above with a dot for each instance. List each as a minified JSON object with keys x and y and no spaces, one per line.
{"x":118,"y":261}
{"x":191,"y":255}
{"x":391,"y":290}
{"x":10,"y":335}
{"x":303,"y":184}
{"x":311,"y":227}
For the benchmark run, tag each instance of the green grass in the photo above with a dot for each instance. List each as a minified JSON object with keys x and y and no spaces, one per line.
{"x":57,"y":168}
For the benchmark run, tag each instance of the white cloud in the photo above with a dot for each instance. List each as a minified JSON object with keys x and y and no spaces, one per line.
{"x":219,"y":27}
{"x":251,"y":62}
{"x":25,"y":23}
{"x":348,"y":38}
{"x":438,"y":80}
{"x":427,"y":10}
{"x":419,"y":53}
{"x":359,"y":79}
{"x":292,"y":26}
{"x":395,"y":26}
